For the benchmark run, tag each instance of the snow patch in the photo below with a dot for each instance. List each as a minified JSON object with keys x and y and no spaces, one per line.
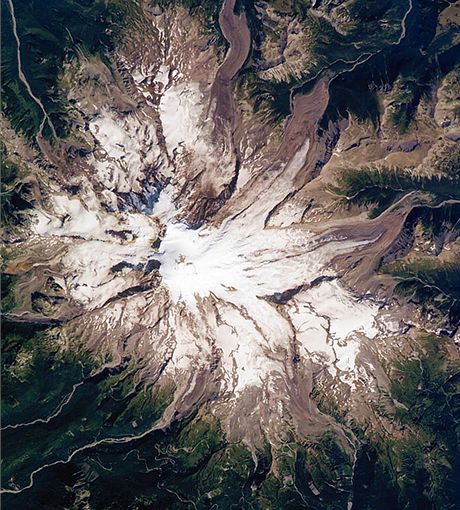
{"x":100,"y":241}
{"x":181,"y":114}
{"x":238,"y":270}
{"x":127,"y":147}
{"x":72,"y":218}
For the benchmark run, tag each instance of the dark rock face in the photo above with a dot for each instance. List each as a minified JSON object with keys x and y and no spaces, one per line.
{"x":407,"y":146}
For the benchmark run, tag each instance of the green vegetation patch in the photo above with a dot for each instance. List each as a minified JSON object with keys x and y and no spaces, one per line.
{"x":36,"y":372}
{"x":14,"y":194}
{"x":427,"y":389}
{"x":51,"y":32}
{"x":432,"y":283}
{"x":379,"y":187}
{"x":416,"y":465}
{"x":55,"y":400}
{"x":312,"y":475}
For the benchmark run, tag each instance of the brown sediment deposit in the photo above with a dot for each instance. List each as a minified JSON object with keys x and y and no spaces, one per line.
{"x":293,"y":162}
{"x":359,"y":267}
{"x":236,"y":31}
{"x":307,"y":111}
